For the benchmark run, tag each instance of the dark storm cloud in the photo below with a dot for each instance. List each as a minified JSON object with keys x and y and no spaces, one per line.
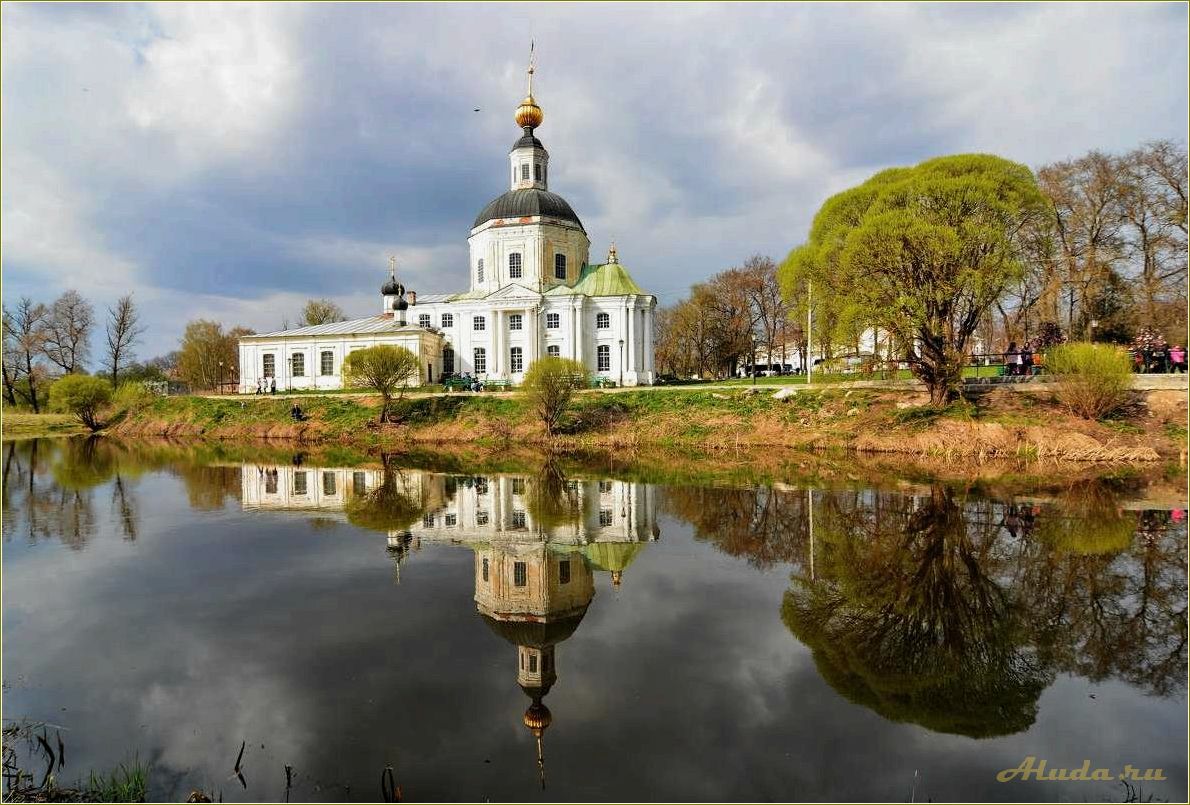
{"x":232,"y":161}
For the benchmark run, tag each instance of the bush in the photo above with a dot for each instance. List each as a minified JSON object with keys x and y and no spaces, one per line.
{"x":385,"y":369}
{"x":133,"y":397}
{"x":1093,"y":379}
{"x":550,"y":384}
{"x":82,"y":395}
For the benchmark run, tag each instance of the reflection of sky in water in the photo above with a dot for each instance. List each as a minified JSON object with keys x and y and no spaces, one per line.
{"x":221,"y":625}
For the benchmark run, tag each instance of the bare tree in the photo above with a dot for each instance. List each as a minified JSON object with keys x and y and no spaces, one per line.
{"x":123,"y":331}
{"x":68,"y":331}
{"x":24,"y":341}
{"x":320,"y":311}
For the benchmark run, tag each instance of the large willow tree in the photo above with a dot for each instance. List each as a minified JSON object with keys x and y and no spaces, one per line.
{"x":922,"y":253}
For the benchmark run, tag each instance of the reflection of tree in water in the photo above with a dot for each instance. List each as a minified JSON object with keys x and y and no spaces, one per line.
{"x":952,"y":613}
{"x":551,"y":500}
{"x":394,"y":505}
{"x":903,"y":619}
{"x":761,"y":524}
{"x":59,"y":506}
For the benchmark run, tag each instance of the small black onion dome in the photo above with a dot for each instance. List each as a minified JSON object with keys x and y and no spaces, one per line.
{"x":400,"y":304}
{"x":392,"y":288}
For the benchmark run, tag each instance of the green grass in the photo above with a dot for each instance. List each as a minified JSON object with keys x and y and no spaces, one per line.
{"x":1175,"y":430}
{"x":126,"y":783}
{"x":925,"y":415}
{"x":25,"y":424}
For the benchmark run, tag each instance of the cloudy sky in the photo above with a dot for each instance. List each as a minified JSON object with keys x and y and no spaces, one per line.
{"x":230,"y":162}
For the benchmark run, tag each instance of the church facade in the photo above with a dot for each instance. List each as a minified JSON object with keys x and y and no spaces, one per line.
{"x":533,"y":292}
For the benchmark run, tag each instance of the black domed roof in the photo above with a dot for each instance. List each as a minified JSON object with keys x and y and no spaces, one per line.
{"x":392,"y":288}
{"x":536,"y":635}
{"x":525,"y":203}
{"x":528,"y":140}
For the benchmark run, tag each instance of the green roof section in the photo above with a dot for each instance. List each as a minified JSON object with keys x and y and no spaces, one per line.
{"x":609,"y":279}
{"x":612,"y":556}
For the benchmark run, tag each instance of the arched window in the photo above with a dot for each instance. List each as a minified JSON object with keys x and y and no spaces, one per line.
{"x":602,"y":321}
{"x":516,"y":359}
{"x":481,"y":360}
{"x":560,"y":266}
{"x":554,"y":351}
{"x":514,"y":265}
{"x":603,"y":357}
{"x":448,"y":361}
{"x":479,"y":271}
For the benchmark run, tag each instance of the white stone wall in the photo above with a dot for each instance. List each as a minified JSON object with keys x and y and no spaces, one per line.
{"x":537,"y":240}
{"x":283,"y":348}
{"x":577,"y":336}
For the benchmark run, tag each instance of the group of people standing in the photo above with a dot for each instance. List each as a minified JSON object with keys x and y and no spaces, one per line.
{"x":1159,"y":359}
{"x":1020,"y":362}
{"x":266,"y":386}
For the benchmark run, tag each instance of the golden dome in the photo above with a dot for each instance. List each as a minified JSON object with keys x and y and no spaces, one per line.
{"x":537,"y":718}
{"x":529,"y":114}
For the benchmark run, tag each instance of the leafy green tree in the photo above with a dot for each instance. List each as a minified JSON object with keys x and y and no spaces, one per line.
{"x":921,"y":252}
{"x":82,"y":395}
{"x":387,"y":370}
{"x":550,"y":384}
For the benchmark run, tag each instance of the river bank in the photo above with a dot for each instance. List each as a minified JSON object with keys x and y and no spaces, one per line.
{"x":995,"y":424}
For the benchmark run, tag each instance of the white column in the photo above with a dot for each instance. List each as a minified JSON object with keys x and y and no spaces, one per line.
{"x":578,"y":332}
{"x":497,"y":344}
{"x":631,"y":337}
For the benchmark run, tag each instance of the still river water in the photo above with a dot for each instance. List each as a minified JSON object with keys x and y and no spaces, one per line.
{"x":563,"y":635}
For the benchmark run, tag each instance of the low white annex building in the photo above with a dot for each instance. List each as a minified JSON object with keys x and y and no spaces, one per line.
{"x":533,"y":292}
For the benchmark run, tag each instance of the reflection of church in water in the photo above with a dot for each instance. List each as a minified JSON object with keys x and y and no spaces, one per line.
{"x":538,"y":543}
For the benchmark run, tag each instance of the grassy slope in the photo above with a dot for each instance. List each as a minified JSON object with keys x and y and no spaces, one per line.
{"x":27,"y":425}
{"x":1001,"y":424}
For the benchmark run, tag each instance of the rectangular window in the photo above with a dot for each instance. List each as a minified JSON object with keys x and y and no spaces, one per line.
{"x":518,"y":486}
{"x":450,"y":520}
{"x":564,"y":571}
{"x":479,"y":323}
{"x":427,"y":521}
{"x":423,"y":320}
{"x":481,"y":486}
{"x":516,"y":321}
{"x":359,"y":483}
{"x":516,"y":360}
{"x":299,"y":365}
{"x":553,"y":350}
{"x":269,"y":365}
{"x":603,"y":358}
{"x":485,"y":568}
{"x":520,"y":575}
{"x":602,"y":321}
{"x":537,"y":171}
{"x":481,"y":360}
{"x":328,"y":483}
{"x":518,"y":518}
{"x":481,"y":518}
{"x":560,"y":266}
{"x":479,"y":271}
{"x":553,"y":321}
{"x":327,"y":363}
{"x":524,"y":171}
{"x":448,"y":320}
{"x":299,"y":482}
{"x":514,"y":265}
{"x":605,"y":517}
{"x":448,"y":360}
{"x":532,"y":663}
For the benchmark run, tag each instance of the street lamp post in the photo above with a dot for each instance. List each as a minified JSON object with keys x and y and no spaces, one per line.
{"x":621,"y":362}
{"x":220,"y":377}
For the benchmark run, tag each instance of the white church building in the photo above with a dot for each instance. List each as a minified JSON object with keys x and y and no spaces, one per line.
{"x":533,"y":292}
